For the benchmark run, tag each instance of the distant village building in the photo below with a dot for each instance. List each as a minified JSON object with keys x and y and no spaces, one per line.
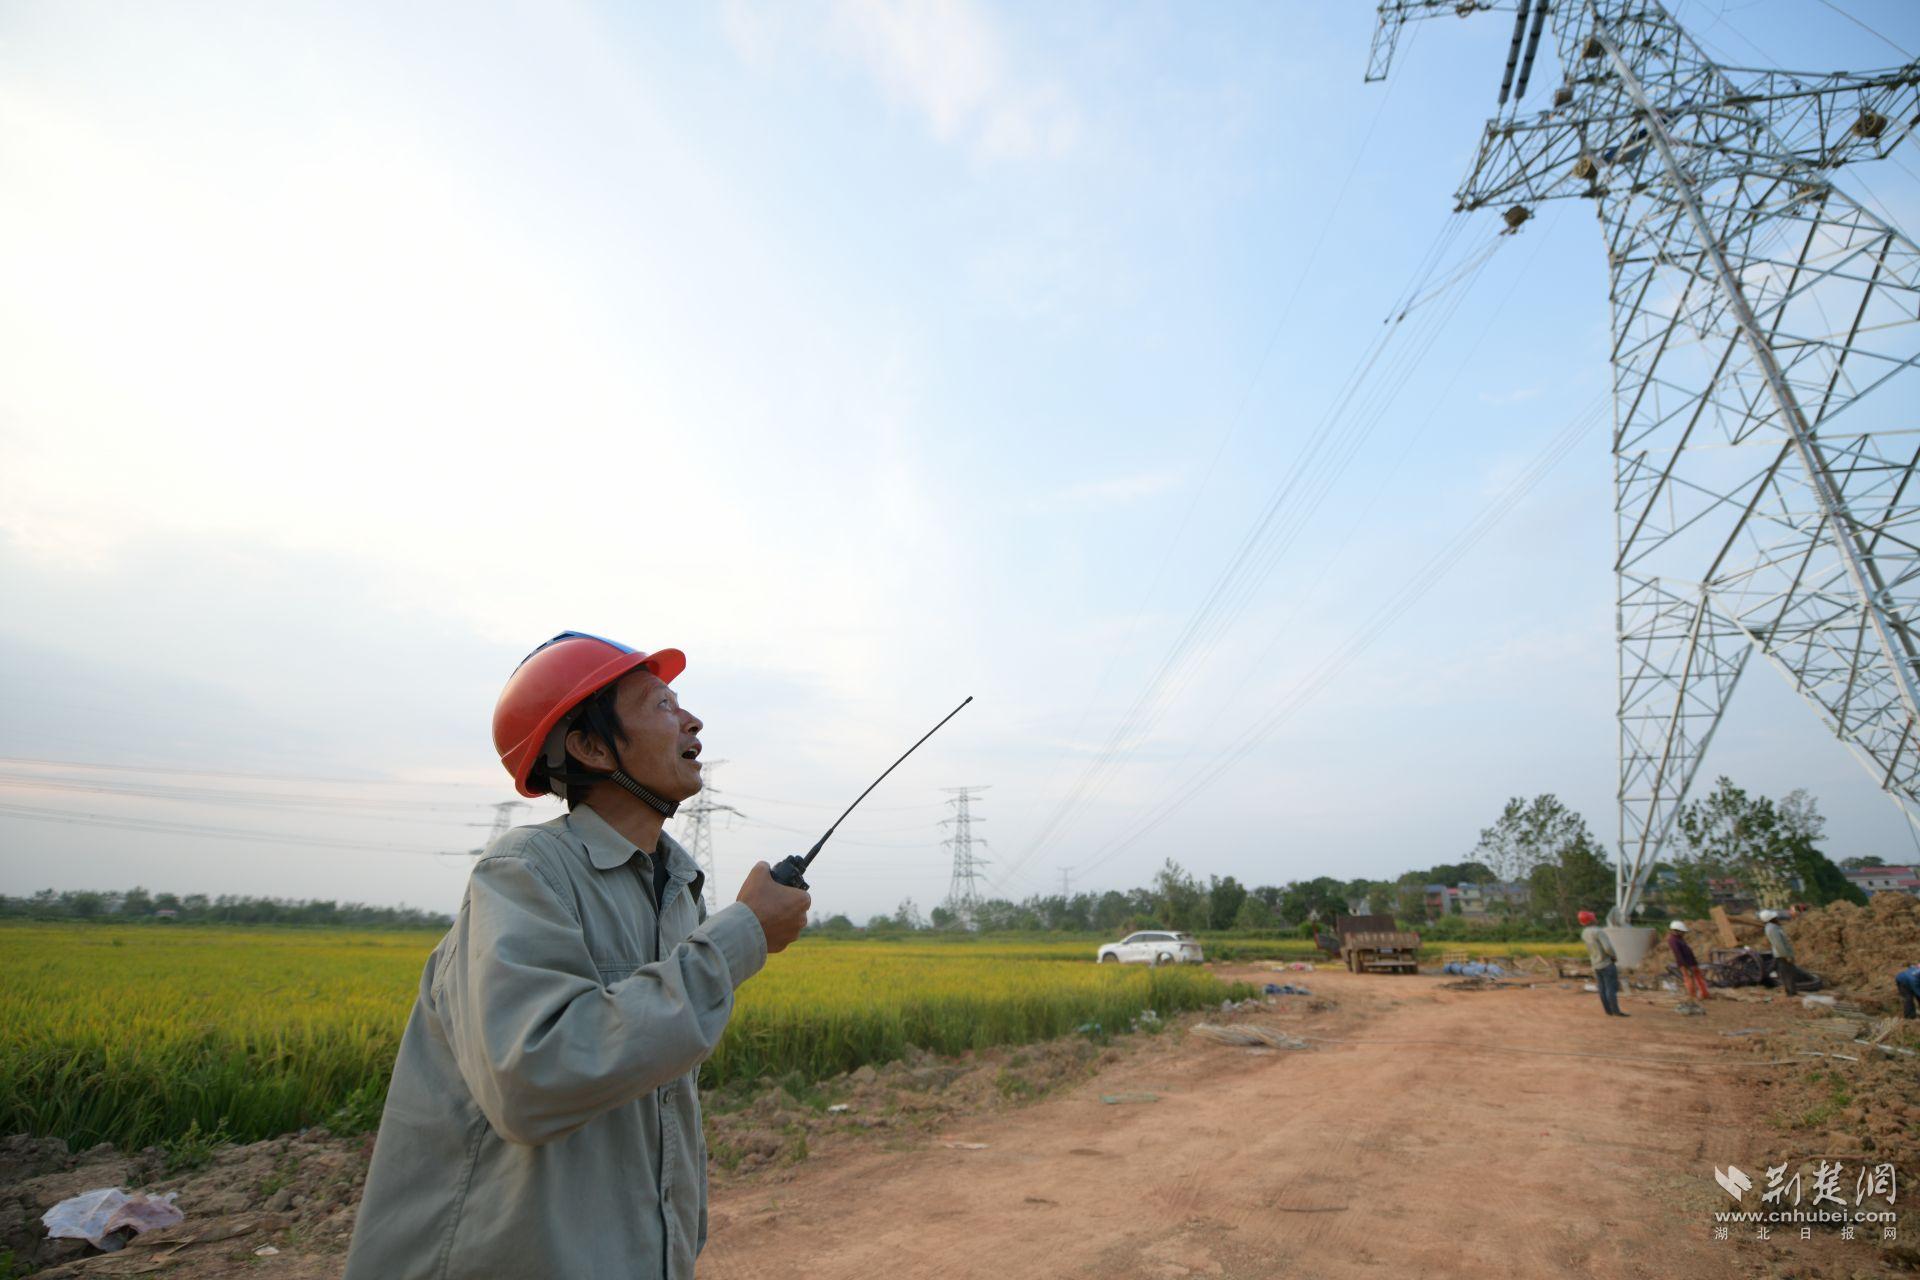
{"x":1729,"y":894}
{"x":1872,"y":880}
{"x":1477,"y":901}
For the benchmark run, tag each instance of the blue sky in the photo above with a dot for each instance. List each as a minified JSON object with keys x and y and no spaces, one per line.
{"x":873,"y":352}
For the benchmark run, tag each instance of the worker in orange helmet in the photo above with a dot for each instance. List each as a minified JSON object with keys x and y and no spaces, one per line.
{"x":1605,"y":962}
{"x":543,"y":1118}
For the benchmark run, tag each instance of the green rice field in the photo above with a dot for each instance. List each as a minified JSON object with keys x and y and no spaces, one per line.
{"x":136,"y":1034}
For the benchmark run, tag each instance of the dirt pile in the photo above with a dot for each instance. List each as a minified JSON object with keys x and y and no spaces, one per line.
{"x":1858,"y":948}
{"x":236,"y":1199}
{"x":1703,"y":937}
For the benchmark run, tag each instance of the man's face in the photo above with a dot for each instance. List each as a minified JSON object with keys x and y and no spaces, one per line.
{"x":662,"y":749}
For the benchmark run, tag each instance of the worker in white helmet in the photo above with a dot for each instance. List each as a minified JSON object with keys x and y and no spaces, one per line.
{"x":1783,"y":967}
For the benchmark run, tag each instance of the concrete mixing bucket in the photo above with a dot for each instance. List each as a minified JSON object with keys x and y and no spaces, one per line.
{"x":1630,"y":943}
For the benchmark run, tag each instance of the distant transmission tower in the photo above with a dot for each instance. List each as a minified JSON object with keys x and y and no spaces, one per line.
{"x":963,"y":890}
{"x":1762,"y":503}
{"x":698,"y":829}
{"x":502,"y":820}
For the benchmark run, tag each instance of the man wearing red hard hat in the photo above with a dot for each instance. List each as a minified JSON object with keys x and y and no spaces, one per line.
{"x":543,"y":1119}
{"x":1606,"y":966}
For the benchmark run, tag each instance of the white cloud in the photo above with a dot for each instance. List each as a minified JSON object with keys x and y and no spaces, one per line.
{"x":946,"y":61}
{"x":1514,"y":396}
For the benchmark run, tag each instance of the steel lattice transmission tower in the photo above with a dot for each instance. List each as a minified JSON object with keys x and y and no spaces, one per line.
{"x":1764,"y":503}
{"x":698,"y":828}
{"x":963,"y":890}
{"x":502,"y":820}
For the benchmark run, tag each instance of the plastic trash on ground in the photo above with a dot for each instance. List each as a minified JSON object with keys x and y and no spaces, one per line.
{"x":108,"y":1217}
{"x":1286,"y":989}
{"x":1248,"y":1034}
{"x":1473,"y":969}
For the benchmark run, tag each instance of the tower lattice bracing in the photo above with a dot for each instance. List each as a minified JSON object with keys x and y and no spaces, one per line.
{"x":697,"y":828}
{"x":963,"y":890}
{"x":1766,"y":329}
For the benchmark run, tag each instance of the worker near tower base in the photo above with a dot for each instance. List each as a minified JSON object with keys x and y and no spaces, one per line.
{"x":1605,"y":962}
{"x":542,"y":1121}
{"x":1694,"y":981}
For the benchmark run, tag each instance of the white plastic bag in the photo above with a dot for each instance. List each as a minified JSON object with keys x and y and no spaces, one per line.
{"x":94,"y":1216}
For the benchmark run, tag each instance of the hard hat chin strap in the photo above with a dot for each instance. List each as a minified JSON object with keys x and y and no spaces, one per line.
{"x":620,"y":779}
{"x":560,"y":779}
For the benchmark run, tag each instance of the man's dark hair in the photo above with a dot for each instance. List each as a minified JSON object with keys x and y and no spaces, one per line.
{"x":598,"y":717}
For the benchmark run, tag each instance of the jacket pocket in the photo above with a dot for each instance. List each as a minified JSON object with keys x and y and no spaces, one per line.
{"x":615,"y":972}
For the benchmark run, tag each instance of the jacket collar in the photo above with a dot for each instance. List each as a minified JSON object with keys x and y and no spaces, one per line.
{"x":607,"y":848}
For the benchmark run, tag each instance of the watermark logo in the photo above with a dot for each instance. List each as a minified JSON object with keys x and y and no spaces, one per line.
{"x":1811,"y":1194}
{"x":1732,"y":1180}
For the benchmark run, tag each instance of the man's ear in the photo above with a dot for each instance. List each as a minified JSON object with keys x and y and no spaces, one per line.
{"x":591,"y":750}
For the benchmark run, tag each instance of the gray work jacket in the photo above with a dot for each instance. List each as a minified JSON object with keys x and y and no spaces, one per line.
{"x":1777,"y":940}
{"x":543,"y":1120}
{"x":1600,"y":951}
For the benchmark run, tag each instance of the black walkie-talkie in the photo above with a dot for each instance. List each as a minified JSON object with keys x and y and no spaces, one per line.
{"x":792,"y":871}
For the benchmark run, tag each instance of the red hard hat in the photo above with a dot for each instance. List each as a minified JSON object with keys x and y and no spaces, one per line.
{"x":1586,"y":917}
{"x":554,"y":679}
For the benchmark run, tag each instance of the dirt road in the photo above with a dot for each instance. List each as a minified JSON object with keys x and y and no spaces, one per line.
{"x":1427,"y":1131}
{"x":1458,"y":1155}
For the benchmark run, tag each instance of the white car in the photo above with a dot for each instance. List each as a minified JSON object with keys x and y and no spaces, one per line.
{"x":1154,"y":947}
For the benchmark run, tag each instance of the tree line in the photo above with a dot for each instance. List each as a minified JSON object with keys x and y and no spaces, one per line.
{"x":1539,"y":853}
{"x":140,"y":905}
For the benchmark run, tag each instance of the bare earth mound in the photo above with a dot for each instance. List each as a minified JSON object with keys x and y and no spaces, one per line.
{"x":1858,"y":949}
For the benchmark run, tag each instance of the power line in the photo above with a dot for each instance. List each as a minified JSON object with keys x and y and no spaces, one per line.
{"x":1409,"y":594}
{"x":202,"y":830}
{"x":388,"y":810}
{"x":106,"y":767}
{"x":1281,"y":318}
{"x":1330,"y":449}
{"x":1864,"y":27}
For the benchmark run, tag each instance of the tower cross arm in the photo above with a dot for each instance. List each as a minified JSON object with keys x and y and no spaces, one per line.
{"x":1395,"y":14}
{"x":1831,"y":119}
{"x":1528,"y":160}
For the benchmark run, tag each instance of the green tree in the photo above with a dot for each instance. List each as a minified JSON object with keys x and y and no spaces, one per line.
{"x":1111,"y":911}
{"x":1225,"y":896}
{"x":1580,"y":879}
{"x":1763,"y":845}
{"x":1528,"y":833}
{"x":1802,"y":829}
{"x":1862,"y":862}
{"x":1410,"y":897}
{"x":1321,"y":898}
{"x":1253,"y":914}
{"x":1179,"y":901}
